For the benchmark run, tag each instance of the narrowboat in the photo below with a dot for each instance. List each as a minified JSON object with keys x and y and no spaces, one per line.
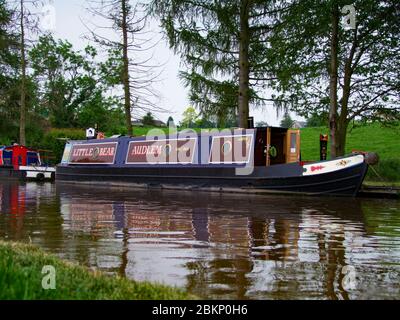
{"x":23,"y":163}
{"x":258,"y":160}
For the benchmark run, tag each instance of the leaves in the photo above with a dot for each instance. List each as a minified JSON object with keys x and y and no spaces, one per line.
{"x":206,"y":34}
{"x":73,"y":86}
{"x":301,"y":46}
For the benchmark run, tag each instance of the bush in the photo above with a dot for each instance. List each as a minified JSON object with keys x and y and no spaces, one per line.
{"x":55,"y":140}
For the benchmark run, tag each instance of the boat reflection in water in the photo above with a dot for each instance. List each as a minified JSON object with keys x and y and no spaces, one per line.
{"x":225,"y":246}
{"x":215,"y":245}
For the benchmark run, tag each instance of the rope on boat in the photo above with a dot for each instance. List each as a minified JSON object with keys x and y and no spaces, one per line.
{"x":381,"y":178}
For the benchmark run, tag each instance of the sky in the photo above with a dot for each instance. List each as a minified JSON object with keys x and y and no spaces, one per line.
{"x":69,"y":19}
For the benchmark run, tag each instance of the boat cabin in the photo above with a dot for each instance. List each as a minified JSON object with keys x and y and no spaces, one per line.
{"x":262,"y":146}
{"x":276,"y":145}
{"x":18,"y":155}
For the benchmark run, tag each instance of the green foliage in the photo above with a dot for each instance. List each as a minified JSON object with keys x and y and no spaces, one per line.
{"x":9,"y":77}
{"x":368,"y":61}
{"x":148,"y":119}
{"x":55,"y":140}
{"x":262,"y":124}
{"x":287,"y":121}
{"x":10,"y":111}
{"x":189,"y":117}
{"x":317,"y":120}
{"x":8,"y":42}
{"x":207,"y":36}
{"x":21,"y":279}
{"x":204,"y":123}
{"x":73,"y":86}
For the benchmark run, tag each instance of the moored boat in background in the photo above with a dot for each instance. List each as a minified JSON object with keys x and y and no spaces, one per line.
{"x":21,"y":162}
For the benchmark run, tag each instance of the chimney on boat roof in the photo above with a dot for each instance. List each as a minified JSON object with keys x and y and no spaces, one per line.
{"x":250,"y":122}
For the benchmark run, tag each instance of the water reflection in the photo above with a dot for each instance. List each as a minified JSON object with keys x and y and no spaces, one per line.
{"x":216,"y":246}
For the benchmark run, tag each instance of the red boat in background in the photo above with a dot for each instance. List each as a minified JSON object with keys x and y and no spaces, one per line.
{"x":21,"y":162}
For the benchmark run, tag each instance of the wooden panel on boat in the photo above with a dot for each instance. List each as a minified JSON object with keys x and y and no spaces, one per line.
{"x":93,"y":153}
{"x":167,"y":151}
{"x":293,"y":146}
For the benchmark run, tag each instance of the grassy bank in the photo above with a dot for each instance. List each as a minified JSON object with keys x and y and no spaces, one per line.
{"x":373,"y":138}
{"x":21,"y":278}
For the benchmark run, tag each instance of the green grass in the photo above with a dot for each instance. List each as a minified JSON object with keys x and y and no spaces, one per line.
{"x":385,"y":141}
{"x":374,"y":138}
{"x":21,"y":278}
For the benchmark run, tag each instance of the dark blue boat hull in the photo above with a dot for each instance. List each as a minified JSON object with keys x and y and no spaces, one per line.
{"x":286,"y":178}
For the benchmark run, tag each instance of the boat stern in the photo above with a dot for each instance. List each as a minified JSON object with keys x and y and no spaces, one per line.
{"x":38,"y":173}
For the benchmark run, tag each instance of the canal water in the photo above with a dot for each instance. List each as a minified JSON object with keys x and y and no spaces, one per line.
{"x":217,"y":246}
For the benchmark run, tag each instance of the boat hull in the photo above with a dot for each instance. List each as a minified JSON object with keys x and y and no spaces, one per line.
{"x":25,"y":173}
{"x":286,"y":178}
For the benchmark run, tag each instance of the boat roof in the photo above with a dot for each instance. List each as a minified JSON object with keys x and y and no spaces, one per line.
{"x":17,"y":145}
{"x":185,"y":132}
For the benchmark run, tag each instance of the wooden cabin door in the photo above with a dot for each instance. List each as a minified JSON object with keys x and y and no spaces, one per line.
{"x":293,"y":146}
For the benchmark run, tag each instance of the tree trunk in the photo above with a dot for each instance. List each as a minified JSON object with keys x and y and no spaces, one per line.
{"x":342,"y":124}
{"x":125,"y":75}
{"x":22,"y":119}
{"x":342,"y":121}
{"x":244,"y":68}
{"x":341,"y":134}
{"x":333,"y":74}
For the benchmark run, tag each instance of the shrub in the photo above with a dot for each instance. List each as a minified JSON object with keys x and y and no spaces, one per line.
{"x":55,"y":139}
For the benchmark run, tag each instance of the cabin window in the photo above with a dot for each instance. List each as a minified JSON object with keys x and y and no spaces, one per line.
{"x":231,"y":149}
{"x":227,"y":147}
{"x":168,"y":148}
{"x":293,"y":142}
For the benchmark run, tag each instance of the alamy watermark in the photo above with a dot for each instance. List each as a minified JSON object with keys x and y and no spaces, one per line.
{"x":216,"y":147}
{"x":48,"y":17}
{"x":349,"y":18}
{"x":49,"y":278}
{"x":349,"y":281}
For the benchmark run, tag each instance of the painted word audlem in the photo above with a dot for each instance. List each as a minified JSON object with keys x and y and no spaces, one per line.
{"x":259,"y":160}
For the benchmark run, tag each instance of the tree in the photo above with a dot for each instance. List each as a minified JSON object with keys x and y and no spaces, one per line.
{"x":23,"y":77}
{"x":223,"y":43}
{"x":148,"y":119}
{"x":18,"y":23}
{"x":317,"y":120}
{"x":349,"y":73}
{"x":27,"y":22}
{"x":262,"y":124}
{"x":136,"y":75}
{"x":189,"y":117}
{"x":286,"y":121}
{"x":73,"y":86}
{"x":9,"y":75}
{"x":204,"y":123}
{"x":24,"y":23}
